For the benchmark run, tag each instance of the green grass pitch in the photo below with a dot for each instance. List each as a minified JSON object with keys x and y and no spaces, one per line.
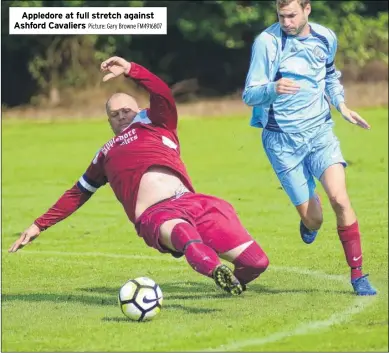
{"x":60,"y":293}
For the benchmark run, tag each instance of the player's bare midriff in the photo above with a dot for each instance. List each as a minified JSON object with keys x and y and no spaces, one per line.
{"x":157,"y":184}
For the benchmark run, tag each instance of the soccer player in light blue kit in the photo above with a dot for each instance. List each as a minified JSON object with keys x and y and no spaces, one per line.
{"x":292,"y":81}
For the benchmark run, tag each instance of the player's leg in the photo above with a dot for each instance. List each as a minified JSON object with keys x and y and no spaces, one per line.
{"x":334,"y":183}
{"x":169,"y":228}
{"x":328,"y":165}
{"x":179,"y":235}
{"x":311,"y":216}
{"x":287,"y":154}
{"x":222,"y":230}
{"x":310,"y":211}
{"x":249,"y":259}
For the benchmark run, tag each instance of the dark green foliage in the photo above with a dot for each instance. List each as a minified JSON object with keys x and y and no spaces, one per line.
{"x":207,"y":40}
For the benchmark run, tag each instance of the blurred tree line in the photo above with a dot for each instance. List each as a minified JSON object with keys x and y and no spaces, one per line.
{"x":208,"y":46}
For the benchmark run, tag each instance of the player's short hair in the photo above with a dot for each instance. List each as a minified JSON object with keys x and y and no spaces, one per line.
{"x":107,"y":105}
{"x":281,"y":3}
{"x":108,"y":102}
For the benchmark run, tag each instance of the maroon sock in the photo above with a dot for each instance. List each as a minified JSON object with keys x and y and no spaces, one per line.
{"x":351,"y":241}
{"x":250,"y":264}
{"x":201,"y":258}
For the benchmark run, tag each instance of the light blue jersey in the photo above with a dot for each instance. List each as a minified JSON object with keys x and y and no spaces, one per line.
{"x":309,"y":61}
{"x":297,"y":137}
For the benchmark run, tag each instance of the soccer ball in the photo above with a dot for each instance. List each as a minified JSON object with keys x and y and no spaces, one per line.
{"x":140,"y":299}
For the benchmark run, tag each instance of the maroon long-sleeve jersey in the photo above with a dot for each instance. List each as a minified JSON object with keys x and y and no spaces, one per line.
{"x":151,"y":139}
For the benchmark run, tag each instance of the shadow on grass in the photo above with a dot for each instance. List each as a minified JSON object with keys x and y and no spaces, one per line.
{"x":119,"y":319}
{"x":200,"y":290}
{"x":271,"y":291}
{"x":175,"y":290}
{"x":91,"y":300}
{"x":164,"y":306}
{"x":60,"y":298}
{"x":107,"y":296}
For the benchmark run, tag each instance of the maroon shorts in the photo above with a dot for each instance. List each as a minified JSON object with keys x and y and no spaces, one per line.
{"x":215,"y":220}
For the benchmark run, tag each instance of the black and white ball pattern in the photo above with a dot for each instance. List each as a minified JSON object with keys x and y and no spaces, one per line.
{"x":140,"y":299}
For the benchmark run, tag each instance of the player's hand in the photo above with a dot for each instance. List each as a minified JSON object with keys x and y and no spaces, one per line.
{"x":116,"y":66}
{"x":26,"y":237}
{"x":286,"y":86}
{"x":353,"y":117}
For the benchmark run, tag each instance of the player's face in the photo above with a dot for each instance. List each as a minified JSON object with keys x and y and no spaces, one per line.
{"x":121,"y":113}
{"x":293,"y":18}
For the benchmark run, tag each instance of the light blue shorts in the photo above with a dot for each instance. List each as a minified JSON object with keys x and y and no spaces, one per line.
{"x":299,"y":157}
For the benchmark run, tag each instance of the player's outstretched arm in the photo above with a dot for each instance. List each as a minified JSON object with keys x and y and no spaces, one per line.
{"x":353,"y":117}
{"x":25,"y":237}
{"x":67,"y":204}
{"x":335,"y":90}
{"x":163,"y":110}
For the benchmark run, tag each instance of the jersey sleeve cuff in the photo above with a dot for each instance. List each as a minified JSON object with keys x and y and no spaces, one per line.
{"x":41,"y":228}
{"x":133,"y":71}
{"x":271,"y":91}
{"x":338,"y":100}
